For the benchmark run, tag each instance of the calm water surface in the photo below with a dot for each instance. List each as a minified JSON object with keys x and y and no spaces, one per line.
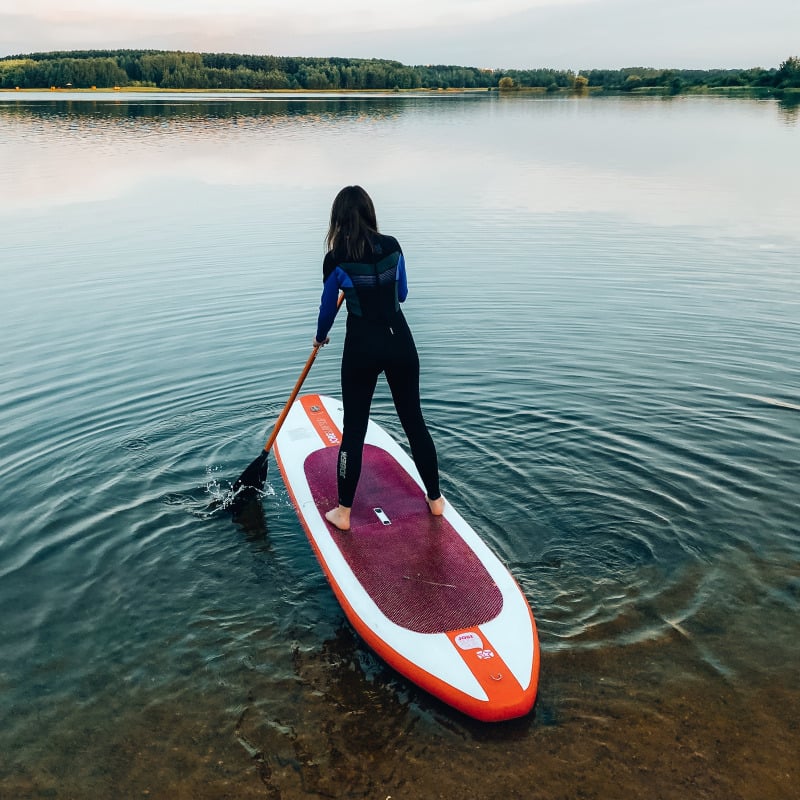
{"x":606,"y":300}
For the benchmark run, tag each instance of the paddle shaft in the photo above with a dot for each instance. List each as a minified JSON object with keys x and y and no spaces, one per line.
{"x":296,"y":390}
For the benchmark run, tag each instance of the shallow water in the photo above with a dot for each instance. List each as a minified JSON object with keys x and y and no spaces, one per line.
{"x":605,"y":297}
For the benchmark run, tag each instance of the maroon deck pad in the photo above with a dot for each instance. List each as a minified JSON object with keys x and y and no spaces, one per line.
{"x":418,"y":570}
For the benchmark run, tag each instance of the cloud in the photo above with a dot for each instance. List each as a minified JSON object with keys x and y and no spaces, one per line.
{"x":315,"y":16}
{"x":568,"y":34}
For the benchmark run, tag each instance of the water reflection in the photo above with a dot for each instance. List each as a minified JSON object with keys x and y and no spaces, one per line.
{"x":789,"y":108}
{"x":169,"y":108}
{"x":611,"y":379}
{"x":653,"y":161}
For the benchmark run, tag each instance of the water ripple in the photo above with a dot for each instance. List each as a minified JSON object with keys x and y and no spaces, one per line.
{"x":613,"y":401}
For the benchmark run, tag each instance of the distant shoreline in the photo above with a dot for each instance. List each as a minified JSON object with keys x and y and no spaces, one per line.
{"x":724,"y":91}
{"x":157,"y":90}
{"x":178,"y":71}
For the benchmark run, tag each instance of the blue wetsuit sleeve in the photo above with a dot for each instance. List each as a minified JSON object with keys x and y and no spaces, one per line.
{"x":328,"y":306}
{"x":402,"y":280}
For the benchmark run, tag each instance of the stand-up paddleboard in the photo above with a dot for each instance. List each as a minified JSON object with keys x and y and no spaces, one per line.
{"x":424,"y":592}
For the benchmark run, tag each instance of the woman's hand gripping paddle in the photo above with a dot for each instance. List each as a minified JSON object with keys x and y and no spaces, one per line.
{"x":256,"y":474}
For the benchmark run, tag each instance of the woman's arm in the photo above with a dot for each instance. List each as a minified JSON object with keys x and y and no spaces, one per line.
{"x":329,"y":304}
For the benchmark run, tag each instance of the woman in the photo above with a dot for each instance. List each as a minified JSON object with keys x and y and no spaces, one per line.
{"x":369,"y":268}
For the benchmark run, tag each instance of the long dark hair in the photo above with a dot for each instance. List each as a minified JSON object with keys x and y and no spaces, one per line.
{"x":352,"y":221}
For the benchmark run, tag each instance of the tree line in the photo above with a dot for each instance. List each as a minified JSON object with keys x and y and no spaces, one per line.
{"x":184,"y":70}
{"x":675,"y":81}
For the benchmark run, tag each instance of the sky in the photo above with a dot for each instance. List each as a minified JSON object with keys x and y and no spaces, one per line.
{"x":499,"y":34}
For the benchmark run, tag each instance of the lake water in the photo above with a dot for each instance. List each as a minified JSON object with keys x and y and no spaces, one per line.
{"x":605,"y":296}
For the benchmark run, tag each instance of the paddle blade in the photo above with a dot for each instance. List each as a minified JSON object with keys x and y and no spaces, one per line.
{"x":255,"y":475}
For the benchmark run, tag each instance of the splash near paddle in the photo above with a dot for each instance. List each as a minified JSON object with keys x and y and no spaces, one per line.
{"x":424,"y":592}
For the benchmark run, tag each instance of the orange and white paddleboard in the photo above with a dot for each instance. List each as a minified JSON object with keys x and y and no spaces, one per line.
{"x":424,"y":592}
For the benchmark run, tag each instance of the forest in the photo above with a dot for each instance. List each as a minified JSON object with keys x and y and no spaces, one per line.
{"x":131,"y":69}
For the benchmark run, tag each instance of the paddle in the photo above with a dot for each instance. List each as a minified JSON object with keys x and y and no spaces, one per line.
{"x":256,"y":473}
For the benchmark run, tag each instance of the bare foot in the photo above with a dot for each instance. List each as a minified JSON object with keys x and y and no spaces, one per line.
{"x":436,"y":506}
{"x":339,"y":517}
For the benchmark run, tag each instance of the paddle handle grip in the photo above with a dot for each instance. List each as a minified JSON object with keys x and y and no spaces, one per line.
{"x":297,"y":387}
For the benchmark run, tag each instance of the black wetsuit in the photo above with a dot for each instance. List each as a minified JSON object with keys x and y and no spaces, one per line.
{"x":378,"y":339}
